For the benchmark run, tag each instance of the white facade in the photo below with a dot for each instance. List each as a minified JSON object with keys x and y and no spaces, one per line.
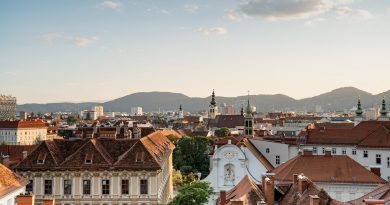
{"x":136,"y":111}
{"x":22,"y":136}
{"x":88,"y":115}
{"x":229,"y":165}
{"x":346,"y":192}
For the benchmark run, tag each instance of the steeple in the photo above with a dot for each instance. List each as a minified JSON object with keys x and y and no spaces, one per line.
{"x":383,"y":109}
{"x":213,"y":102}
{"x":359,"y":110}
{"x":213,"y":108}
{"x":248,"y":118}
{"x":180,"y":108}
{"x":181,"y":113}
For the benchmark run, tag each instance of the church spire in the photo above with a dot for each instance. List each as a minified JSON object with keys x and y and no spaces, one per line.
{"x":213,"y":102}
{"x":359,"y":110}
{"x":248,"y":107}
{"x":180,"y":108}
{"x":383,"y":109}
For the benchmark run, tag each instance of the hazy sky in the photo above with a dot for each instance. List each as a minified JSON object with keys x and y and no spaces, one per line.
{"x":55,"y":51}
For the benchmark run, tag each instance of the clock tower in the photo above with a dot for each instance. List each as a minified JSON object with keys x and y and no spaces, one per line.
{"x":213,"y":108}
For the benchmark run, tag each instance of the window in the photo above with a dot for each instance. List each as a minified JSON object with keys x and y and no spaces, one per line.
{"x":353,"y":151}
{"x":144,"y":186}
{"x":323,"y":150}
{"x":105,"y":186}
{"x":67,"y":187}
{"x":365,"y":153}
{"x":267,"y":150}
{"x":314,"y":150}
{"x":87,"y":186}
{"x":344,"y":151}
{"x":378,"y":159}
{"x":334,"y":150}
{"x":125,"y":186}
{"x":139,"y":157}
{"x":277,"y":161}
{"x":41,"y":158}
{"x":48,"y":187}
{"x":88,"y":158}
{"x":29,"y":186}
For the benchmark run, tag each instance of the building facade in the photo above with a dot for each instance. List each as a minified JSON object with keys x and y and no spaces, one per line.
{"x":101,"y":171}
{"x":136,"y":111}
{"x":22,"y":132}
{"x":7,"y":107}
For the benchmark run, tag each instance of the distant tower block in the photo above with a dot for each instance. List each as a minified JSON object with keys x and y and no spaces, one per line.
{"x":213,"y":108}
{"x":7,"y":107}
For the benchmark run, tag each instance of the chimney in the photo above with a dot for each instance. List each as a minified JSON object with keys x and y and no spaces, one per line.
{"x":302,"y":183}
{"x":328,"y":152}
{"x":295,"y":178}
{"x":222,"y":197}
{"x":269,"y":188}
{"x":236,"y":202}
{"x":374,"y":201}
{"x":314,"y":200}
{"x":25,"y":199}
{"x":5,"y":160}
{"x":24,"y":155}
{"x":376,"y":170}
{"x":48,"y":201}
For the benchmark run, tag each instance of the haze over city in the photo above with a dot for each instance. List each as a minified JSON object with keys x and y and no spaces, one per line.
{"x":100,"y":50}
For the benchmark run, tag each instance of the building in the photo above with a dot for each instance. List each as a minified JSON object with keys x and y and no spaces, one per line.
{"x":11,"y":185}
{"x":229,"y":110}
{"x":213,"y":108}
{"x":340,"y":176}
{"x":231,"y":163}
{"x":181,"y":113}
{"x":7,"y":108}
{"x":98,"y":110}
{"x":136,"y":111}
{"x":88,"y":115}
{"x":102,"y":171}
{"x":22,"y":132}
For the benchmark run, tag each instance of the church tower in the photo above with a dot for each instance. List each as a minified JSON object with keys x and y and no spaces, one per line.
{"x":359,"y":113}
{"x":384,"y":111}
{"x":213,"y":108}
{"x":248,"y":117}
{"x":181,"y":112}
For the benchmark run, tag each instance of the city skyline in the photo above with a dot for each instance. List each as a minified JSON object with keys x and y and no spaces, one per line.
{"x":100,"y":50}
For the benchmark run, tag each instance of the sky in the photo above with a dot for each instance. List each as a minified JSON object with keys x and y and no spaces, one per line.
{"x":77,"y":51}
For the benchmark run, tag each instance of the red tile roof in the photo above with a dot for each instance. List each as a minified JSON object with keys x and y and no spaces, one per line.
{"x":108,"y":153}
{"x":9,"y":181}
{"x":246,"y":190}
{"x":22,"y":124}
{"x":229,"y":121}
{"x":323,"y":168}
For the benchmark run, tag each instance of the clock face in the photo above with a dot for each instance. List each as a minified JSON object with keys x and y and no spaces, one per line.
{"x":229,"y":155}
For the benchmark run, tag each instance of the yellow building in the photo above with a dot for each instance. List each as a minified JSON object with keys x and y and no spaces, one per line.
{"x":102,"y":171}
{"x":22,"y":132}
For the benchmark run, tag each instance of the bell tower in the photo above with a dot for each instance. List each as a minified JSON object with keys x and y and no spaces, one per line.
{"x":213,"y":108}
{"x":248,"y":118}
{"x":384,"y":111}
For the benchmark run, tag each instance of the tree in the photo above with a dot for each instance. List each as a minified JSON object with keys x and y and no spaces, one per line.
{"x":196,"y":193}
{"x":222,"y":132}
{"x":177,"y":178}
{"x":191,"y":155}
{"x":72,"y":119}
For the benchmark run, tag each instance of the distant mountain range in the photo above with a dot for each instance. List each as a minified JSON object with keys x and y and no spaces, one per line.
{"x":336,"y":100}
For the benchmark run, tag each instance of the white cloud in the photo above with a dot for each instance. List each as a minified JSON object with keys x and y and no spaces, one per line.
{"x":110,"y":5}
{"x":233,"y":15}
{"x":191,"y":8}
{"x":213,"y":31}
{"x":348,"y":12}
{"x":314,"y":21}
{"x":289,"y":9}
{"x":83,"y":41}
{"x":52,"y":37}
{"x":157,"y":11}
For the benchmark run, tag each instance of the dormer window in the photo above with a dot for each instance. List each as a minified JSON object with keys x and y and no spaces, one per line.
{"x":41,"y":158}
{"x":88,"y":158}
{"x":139,"y":157}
